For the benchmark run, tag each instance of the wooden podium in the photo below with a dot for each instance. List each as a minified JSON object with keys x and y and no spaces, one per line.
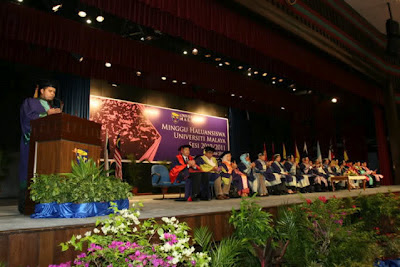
{"x":53,"y":144}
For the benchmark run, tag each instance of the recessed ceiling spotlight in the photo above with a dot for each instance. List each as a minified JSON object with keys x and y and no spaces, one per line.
{"x":88,"y":21}
{"x":334,"y":100}
{"x":240,"y":67}
{"x":82,"y":14}
{"x":273,"y":78}
{"x":183,"y":82}
{"x":273,"y":82}
{"x":56,"y":7}
{"x":265,"y":74}
{"x":195,"y":51}
{"x":163,"y":78}
{"x":294,"y":89}
{"x":280,"y":80}
{"x":174,"y":81}
{"x":208,"y":55}
{"x":256,"y":72}
{"x":185,"y":52}
{"x":108,"y":64}
{"x":217,"y":59}
{"x":20,"y":1}
{"x":114,"y":85}
{"x":249,"y":74}
{"x":283,"y":108}
{"x":232,"y":94}
{"x":227,"y":63}
{"x":220,"y":64}
{"x":100,"y":18}
{"x":240,"y":96}
{"x":142,"y":39}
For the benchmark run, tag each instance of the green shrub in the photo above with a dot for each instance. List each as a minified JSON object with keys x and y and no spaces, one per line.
{"x":87,"y":182}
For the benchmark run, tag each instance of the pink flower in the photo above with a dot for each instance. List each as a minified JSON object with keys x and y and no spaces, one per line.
{"x":309,"y":201}
{"x":323,"y":199}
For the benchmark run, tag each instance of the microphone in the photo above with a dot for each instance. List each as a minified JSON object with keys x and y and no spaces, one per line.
{"x":58,"y":103}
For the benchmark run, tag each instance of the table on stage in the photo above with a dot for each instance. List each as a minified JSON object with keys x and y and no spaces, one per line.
{"x":348,"y":179}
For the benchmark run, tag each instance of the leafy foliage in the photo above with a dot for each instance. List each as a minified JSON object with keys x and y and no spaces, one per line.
{"x":203,"y":237}
{"x":86,"y":183}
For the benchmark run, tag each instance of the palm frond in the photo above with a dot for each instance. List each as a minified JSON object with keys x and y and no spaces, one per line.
{"x":227,"y":253}
{"x":203,"y":237}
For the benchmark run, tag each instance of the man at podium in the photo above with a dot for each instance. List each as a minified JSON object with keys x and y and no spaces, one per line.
{"x":31,"y":109}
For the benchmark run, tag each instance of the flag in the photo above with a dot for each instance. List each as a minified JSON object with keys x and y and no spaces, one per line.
{"x":345,"y":156}
{"x":283,"y":151}
{"x":265,"y":152}
{"x":331,"y":154}
{"x":297,"y":154}
{"x":118,"y":158}
{"x":319,"y":156}
{"x":305,"y":151}
{"x":106,"y":152}
{"x":273,"y":150}
{"x":36,"y":94}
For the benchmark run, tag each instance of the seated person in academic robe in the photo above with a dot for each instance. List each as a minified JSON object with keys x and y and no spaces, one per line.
{"x":239,"y":179}
{"x":272,"y":180}
{"x":225,"y":182}
{"x":257,"y":182}
{"x":306,"y":168}
{"x":209,"y":164}
{"x":377,"y":177}
{"x":321,"y":177}
{"x":32,"y":109}
{"x":277,"y":168}
{"x":333,"y":167}
{"x":343,"y":167}
{"x":293,"y":168}
{"x":184,"y":168}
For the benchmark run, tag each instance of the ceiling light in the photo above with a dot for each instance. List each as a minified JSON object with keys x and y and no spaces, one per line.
{"x":138,"y":73}
{"x":265,"y":74}
{"x":334,"y":100}
{"x":108,"y":64}
{"x":185,"y":52}
{"x":280,"y":80}
{"x":240,"y":96}
{"x":56,"y":7}
{"x":195,"y":51}
{"x":294,"y":89}
{"x":174,"y":81}
{"x":20,"y":1}
{"x":220,"y":64}
{"x":256,"y":72}
{"x":249,"y":74}
{"x":82,"y":14}
{"x":273,"y":78}
{"x":183,"y":82}
{"x":114,"y":85}
{"x":142,"y":39}
{"x":273,"y":82}
{"x":227,"y":63}
{"x":163,"y":78}
{"x":232,"y":94}
{"x":217,"y":59}
{"x":208,"y":55}
{"x":240,"y":67}
{"x":88,"y":21}
{"x":283,"y":108}
{"x":100,"y":18}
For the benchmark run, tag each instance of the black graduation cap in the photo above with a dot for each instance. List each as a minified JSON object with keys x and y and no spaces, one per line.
{"x":46,"y":83}
{"x":184,"y":146}
{"x":209,"y":149}
{"x":225,"y":153}
{"x":276,"y":155}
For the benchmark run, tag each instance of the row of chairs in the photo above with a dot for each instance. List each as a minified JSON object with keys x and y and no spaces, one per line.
{"x":160,"y":179}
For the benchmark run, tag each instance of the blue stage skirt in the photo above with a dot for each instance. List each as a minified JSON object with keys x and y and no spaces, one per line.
{"x":72,"y":210}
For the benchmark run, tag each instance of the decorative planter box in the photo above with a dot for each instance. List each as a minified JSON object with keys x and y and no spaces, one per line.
{"x":72,"y":210}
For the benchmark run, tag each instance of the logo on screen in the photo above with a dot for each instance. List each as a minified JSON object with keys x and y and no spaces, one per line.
{"x":175,"y":117}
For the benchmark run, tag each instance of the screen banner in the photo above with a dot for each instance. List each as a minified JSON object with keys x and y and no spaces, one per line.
{"x":155,"y":133}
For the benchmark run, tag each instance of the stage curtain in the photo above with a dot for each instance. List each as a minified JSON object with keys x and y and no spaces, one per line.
{"x":211,"y":25}
{"x":75,"y":93}
{"x":385,"y":163}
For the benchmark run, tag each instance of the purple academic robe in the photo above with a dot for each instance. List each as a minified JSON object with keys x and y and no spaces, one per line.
{"x":31,"y":109}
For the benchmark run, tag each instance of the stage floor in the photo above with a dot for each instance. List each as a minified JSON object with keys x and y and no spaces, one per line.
{"x":154,"y":207}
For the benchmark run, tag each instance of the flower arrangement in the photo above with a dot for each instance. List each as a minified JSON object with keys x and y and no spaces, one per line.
{"x":122,"y":240}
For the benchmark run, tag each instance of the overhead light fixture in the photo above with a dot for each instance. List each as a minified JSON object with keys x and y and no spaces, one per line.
{"x":208,"y":55}
{"x":56,"y":7}
{"x":217,"y":59}
{"x":265,"y":74}
{"x":108,"y":64}
{"x":249,"y":69}
{"x":249,"y":74}
{"x":283,"y":108}
{"x":163,"y":78}
{"x":174,"y":81}
{"x":273,"y":82}
{"x":185,"y":52}
{"x":273,"y":78}
{"x":220,"y":64}
{"x":100,"y":18}
{"x":114,"y":85}
{"x":227,"y":63}
{"x":334,"y":100}
{"x":20,"y":1}
{"x":88,"y":21}
{"x":82,"y":14}
{"x":240,"y":96}
{"x":195,"y":51}
{"x":77,"y":57}
{"x":256,"y":72}
{"x":138,"y":73}
{"x":240,"y":67}
{"x":142,"y":39}
{"x":294,"y":89}
{"x":232,"y":94}
{"x":183,"y":82}
{"x":280,"y":80}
